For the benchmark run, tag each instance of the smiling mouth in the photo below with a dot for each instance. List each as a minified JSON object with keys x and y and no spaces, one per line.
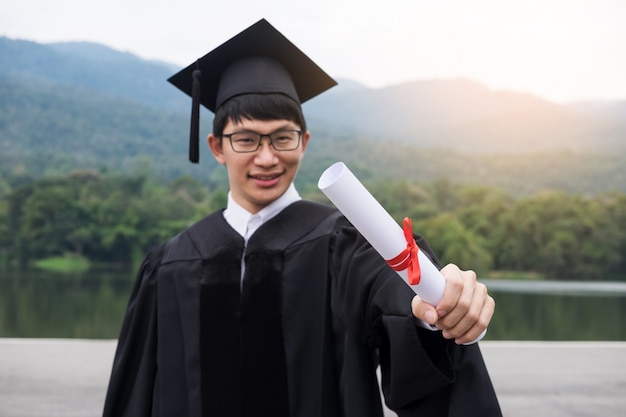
{"x":266,"y":177}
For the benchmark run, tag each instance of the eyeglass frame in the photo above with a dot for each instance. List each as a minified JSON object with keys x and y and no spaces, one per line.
{"x":261,"y":136}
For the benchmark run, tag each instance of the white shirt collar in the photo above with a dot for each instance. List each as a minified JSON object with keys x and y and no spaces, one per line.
{"x":246,"y":223}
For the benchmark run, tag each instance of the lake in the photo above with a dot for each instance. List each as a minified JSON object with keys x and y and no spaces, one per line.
{"x":91,"y":306}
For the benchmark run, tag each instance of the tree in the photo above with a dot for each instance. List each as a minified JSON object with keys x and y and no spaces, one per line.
{"x":453,"y":242}
{"x":49,"y":215}
{"x":562,"y":235}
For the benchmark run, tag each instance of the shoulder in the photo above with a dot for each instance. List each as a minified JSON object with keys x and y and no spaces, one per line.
{"x":314,"y":220}
{"x":305,"y":213}
{"x":194,"y":242}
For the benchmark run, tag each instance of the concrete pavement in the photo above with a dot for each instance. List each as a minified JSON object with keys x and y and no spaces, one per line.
{"x":68,"y":377}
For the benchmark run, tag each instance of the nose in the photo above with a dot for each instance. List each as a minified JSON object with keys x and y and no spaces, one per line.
{"x":266,"y":155}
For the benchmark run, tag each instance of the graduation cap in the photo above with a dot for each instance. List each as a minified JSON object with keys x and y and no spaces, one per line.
{"x":259,"y":60}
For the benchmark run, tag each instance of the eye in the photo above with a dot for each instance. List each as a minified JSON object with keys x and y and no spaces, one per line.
{"x":283,"y":137}
{"x":243,"y":139}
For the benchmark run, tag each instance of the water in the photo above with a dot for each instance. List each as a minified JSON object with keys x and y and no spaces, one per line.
{"x":92,"y":306}
{"x":63,"y":306}
{"x":549,"y":310}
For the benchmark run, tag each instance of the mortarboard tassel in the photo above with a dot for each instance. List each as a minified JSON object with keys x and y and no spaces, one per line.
{"x":194,"y":134}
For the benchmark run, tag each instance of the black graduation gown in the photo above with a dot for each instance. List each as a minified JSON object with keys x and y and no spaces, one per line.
{"x":317,"y":313}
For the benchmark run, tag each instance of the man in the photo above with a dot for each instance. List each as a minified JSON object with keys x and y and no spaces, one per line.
{"x":277,"y":306}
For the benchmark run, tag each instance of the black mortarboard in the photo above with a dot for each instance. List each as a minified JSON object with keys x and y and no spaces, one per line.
{"x":258,"y":60}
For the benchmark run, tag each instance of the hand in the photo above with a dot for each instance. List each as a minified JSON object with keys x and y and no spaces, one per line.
{"x":465,"y":309}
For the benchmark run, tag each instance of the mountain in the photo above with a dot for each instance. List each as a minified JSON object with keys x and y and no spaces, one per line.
{"x":459,"y":114}
{"x":84,"y":105}
{"x":467,"y":116}
{"x":91,"y":66}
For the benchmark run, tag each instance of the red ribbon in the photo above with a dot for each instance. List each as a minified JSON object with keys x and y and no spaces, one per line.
{"x":408,"y":259}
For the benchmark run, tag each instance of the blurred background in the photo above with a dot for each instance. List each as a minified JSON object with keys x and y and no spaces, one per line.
{"x":498,"y":127}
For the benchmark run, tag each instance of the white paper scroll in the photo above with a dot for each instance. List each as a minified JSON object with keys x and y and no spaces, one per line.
{"x":347,"y":193}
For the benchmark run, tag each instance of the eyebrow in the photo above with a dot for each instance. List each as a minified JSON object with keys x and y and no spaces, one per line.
{"x":288,"y":126}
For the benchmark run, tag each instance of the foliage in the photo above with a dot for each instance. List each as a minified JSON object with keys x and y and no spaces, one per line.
{"x":554,"y":234}
{"x":115,"y":219}
{"x":106,"y":218}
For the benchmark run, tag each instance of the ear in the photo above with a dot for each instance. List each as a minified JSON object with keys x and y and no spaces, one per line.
{"x":305,"y":140}
{"x":215,"y":144}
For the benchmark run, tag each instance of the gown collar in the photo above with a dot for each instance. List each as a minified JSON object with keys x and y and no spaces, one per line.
{"x":246,"y":223}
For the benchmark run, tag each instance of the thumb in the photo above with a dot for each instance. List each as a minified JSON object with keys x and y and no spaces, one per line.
{"x":424,"y":311}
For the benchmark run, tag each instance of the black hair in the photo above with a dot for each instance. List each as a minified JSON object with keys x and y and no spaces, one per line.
{"x":274,"y":106}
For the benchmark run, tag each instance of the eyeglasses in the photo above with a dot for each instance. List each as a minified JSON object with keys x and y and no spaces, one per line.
{"x":282,"y":140}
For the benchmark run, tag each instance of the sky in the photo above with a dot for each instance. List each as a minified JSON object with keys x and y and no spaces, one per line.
{"x":561,"y":50}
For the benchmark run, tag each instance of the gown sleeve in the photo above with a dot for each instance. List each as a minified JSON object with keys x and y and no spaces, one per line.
{"x":422,"y":372}
{"x":133,"y":375}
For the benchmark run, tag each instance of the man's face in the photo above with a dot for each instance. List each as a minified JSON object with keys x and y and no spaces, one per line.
{"x":258,"y":178}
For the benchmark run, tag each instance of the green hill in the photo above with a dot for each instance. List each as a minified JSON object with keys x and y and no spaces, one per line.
{"x":81,"y":105}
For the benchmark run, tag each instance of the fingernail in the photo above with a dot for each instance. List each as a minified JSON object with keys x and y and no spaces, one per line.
{"x":430,"y":317}
{"x":441,"y":313}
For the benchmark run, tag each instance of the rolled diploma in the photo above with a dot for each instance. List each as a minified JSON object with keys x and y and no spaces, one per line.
{"x":366,"y":214}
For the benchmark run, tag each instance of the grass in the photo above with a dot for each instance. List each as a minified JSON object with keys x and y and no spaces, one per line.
{"x":65,"y":263}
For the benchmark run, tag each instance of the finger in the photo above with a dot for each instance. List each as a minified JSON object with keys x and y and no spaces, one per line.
{"x":464,"y":302}
{"x":480,"y":324}
{"x":423,"y":311}
{"x":452,"y":291}
{"x":472,"y":314}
